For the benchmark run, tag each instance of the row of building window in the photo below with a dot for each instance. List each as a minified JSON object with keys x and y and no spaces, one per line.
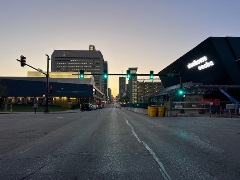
{"x":78,"y":68}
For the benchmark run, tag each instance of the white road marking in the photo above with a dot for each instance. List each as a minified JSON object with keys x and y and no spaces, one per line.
{"x":154,"y":156}
{"x":25,"y":150}
{"x":59,"y":117}
{"x":133,"y":131}
{"x":161,"y":167}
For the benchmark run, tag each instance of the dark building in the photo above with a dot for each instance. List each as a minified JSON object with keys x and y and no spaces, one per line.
{"x":215,"y":61}
{"x":122,"y":86}
{"x":26,"y":90}
{"x":211,"y":70}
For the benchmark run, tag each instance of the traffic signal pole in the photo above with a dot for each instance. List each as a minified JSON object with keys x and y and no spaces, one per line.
{"x":175,"y":75}
{"x":47,"y":76}
{"x":47,"y":86}
{"x":31,"y":67}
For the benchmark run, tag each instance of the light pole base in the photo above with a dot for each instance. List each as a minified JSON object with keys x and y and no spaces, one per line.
{"x":46,"y":110}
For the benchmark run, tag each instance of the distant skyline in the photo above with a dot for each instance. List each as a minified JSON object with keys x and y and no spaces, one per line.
{"x":149,"y":35}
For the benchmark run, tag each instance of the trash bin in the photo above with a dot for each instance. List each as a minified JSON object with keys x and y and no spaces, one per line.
{"x":152,"y":111}
{"x":160,"y":111}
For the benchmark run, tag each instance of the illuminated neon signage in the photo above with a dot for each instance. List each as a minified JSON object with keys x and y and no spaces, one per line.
{"x":202,"y":63}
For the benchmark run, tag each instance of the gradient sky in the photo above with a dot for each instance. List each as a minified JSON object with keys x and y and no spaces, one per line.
{"x":148,"y":34}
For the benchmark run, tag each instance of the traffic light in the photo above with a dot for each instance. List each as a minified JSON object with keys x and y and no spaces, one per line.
{"x":105,"y":74}
{"x":128,"y":74}
{"x":151,"y":75}
{"x":23,"y":60}
{"x":81,"y":73}
{"x":181,"y":92}
{"x":50,"y":89}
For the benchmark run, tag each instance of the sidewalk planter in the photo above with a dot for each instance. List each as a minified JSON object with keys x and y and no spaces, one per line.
{"x":160,"y":111}
{"x":152,"y":111}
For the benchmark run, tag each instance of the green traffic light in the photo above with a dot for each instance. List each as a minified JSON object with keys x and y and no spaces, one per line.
{"x":128,"y":74}
{"x":105,"y":76}
{"x":181,"y":92}
{"x":151,"y":74}
{"x":81,"y":74}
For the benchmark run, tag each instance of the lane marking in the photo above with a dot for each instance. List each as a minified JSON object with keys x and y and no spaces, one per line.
{"x":59,"y":117}
{"x":133,"y":131}
{"x":25,"y":150}
{"x":161,"y":167}
{"x":152,"y":153}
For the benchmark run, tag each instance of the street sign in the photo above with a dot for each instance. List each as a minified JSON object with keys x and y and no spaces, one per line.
{"x":39,"y":70}
{"x":170,"y":74}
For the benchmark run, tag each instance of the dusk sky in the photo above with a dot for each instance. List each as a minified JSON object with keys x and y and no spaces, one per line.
{"x":148,"y":34}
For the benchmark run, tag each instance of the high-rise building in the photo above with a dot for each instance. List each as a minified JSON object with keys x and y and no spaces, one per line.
{"x":122,"y":86}
{"x":132,"y":85}
{"x":105,"y":81}
{"x":147,"y":88}
{"x":110,"y":93}
{"x":75,"y":60}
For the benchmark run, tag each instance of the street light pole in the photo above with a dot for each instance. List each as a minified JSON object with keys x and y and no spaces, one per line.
{"x":47,"y":85}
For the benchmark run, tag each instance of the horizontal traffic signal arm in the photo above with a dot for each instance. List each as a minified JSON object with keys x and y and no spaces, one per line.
{"x":175,"y":75}
{"x":31,"y":67}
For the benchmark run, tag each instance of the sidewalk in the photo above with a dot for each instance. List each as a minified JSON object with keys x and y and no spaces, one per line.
{"x":31,"y":112}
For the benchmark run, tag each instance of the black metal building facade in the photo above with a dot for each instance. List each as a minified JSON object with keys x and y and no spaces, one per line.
{"x":215,"y":61}
{"x":24,"y":88}
{"x":35,"y":88}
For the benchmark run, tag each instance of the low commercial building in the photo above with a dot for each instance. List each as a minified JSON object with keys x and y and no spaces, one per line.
{"x":66,"y":91}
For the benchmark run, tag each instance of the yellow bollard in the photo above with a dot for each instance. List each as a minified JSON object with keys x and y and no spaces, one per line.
{"x":160,"y":111}
{"x":152,"y":111}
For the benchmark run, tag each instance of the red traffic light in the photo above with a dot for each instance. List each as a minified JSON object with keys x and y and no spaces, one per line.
{"x":50,"y":89}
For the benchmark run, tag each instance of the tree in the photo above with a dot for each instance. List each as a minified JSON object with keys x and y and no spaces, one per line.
{"x":125,"y":98}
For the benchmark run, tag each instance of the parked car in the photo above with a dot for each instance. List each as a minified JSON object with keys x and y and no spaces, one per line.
{"x":86,"y":107}
{"x":93,"y":107}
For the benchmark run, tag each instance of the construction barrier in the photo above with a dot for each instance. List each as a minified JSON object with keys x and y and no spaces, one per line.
{"x":152,"y":111}
{"x":160,"y":110}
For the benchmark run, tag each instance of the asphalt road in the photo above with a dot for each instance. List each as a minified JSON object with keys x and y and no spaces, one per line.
{"x":113,"y":143}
